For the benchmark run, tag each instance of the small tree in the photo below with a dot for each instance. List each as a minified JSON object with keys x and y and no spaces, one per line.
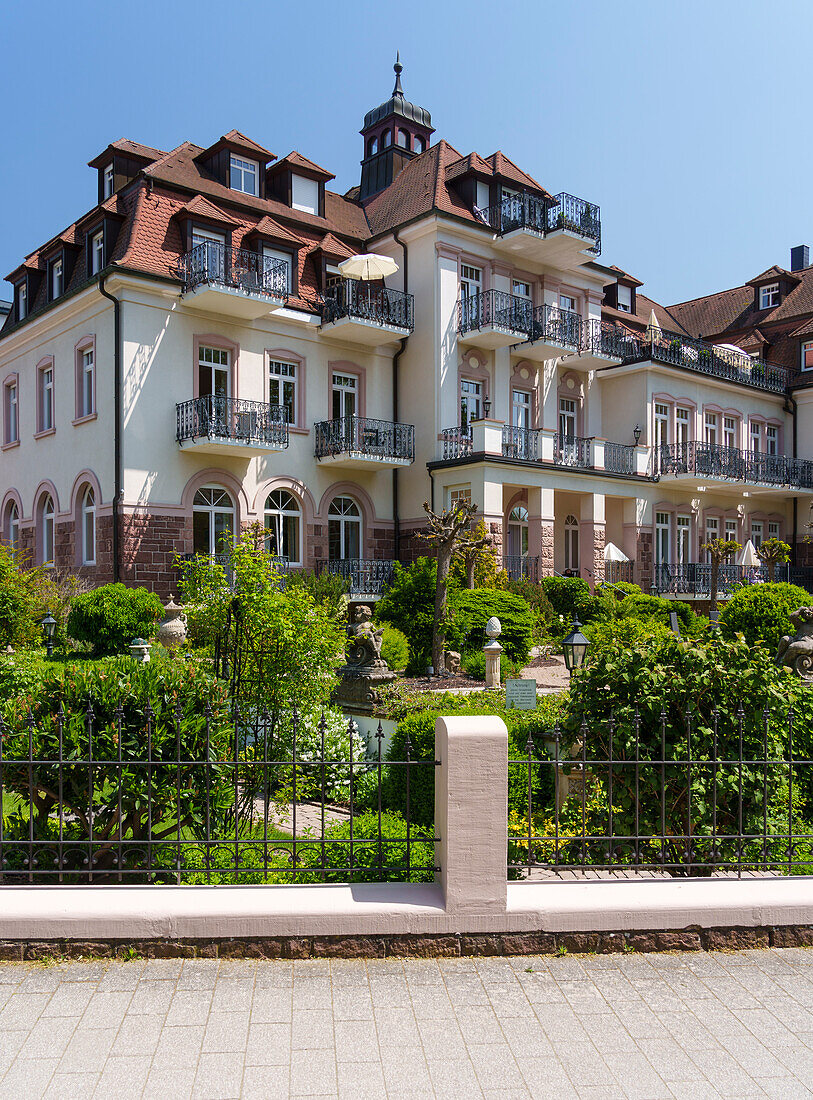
{"x":447,"y":531}
{"x":718,"y":550}
{"x":477,"y":562}
{"x":771,"y":552}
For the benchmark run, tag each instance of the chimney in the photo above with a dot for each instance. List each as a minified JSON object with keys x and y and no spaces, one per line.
{"x":799,"y":257}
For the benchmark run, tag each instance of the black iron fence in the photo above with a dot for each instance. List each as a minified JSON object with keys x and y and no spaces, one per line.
{"x":726,"y":793}
{"x":455,"y":443}
{"x":495,"y":307}
{"x":150,"y":793}
{"x":619,"y":458}
{"x":715,"y":460}
{"x":547,"y":215}
{"x":558,"y":327}
{"x":521,"y":566}
{"x":694,"y":578}
{"x":521,"y":443}
{"x":233,"y":419}
{"x":212,"y":262}
{"x":363,"y":576}
{"x":361,"y":435}
{"x":573,"y":450}
{"x":368,"y":301}
{"x":615,"y":571}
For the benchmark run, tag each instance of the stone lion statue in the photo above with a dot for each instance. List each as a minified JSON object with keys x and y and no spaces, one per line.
{"x":364,"y":641}
{"x":797,"y":652}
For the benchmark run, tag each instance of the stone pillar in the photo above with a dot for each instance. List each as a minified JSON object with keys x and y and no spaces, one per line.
{"x":471,"y":812}
{"x":638,"y":539}
{"x":591,"y":537}
{"x":540,"y":530}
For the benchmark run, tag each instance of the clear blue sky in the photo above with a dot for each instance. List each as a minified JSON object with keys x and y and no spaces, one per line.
{"x":686,"y":120}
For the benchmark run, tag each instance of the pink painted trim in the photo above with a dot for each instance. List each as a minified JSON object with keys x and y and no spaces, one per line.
{"x":11,"y":379}
{"x":44,"y":433}
{"x":10,"y":446}
{"x":294,"y":486}
{"x":44,"y":364}
{"x":286,"y":356}
{"x":212,"y":476}
{"x":344,"y":366}
{"x":84,"y":419}
{"x":215,"y":340}
{"x":81,"y":481}
{"x":84,"y":344}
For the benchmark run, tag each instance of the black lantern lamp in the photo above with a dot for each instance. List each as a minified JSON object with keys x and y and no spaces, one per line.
{"x":636,"y":433}
{"x":574,"y":647}
{"x":48,"y":624}
{"x":486,"y":408}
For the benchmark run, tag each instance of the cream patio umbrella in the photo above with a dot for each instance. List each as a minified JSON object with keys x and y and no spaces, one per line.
{"x":612,"y":553}
{"x":368,"y":266}
{"x":748,"y":556}
{"x":653,"y":328}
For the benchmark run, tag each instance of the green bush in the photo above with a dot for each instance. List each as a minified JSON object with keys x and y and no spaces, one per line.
{"x":474,"y":665}
{"x":108,"y":618}
{"x":627,"y":632}
{"x":395,"y":648}
{"x":570,"y":596}
{"x":371,"y":862}
{"x":325,"y":588}
{"x":639,"y":605}
{"x":534,"y":595}
{"x":409,"y":605}
{"x":477,"y":605}
{"x":761,"y":612}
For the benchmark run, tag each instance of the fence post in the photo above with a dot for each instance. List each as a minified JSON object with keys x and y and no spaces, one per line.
{"x":471,"y":812}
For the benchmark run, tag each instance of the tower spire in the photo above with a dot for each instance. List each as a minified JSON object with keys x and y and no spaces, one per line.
{"x":399,"y":68}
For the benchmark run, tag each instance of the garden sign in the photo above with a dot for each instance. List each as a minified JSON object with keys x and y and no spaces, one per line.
{"x":520,"y":694}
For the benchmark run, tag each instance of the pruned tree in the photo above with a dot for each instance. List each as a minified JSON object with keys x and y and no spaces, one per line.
{"x":771,"y":553}
{"x":718,"y":550}
{"x":446,"y":532}
{"x":476,"y":556}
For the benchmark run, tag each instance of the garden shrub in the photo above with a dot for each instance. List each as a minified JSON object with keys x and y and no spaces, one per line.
{"x":477,"y":605}
{"x":109,"y":617}
{"x":640,"y":605}
{"x":534,"y":595}
{"x":26,"y":594}
{"x":761,"y":612}
{"x":409,"y":605}
{"x":626,"y":631}
{"x":395,"y":648}
{"x":325,"y":588}
{"x":570,"y":596}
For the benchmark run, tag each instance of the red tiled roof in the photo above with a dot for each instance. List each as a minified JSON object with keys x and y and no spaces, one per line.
{"x":131,"y":148}
{"x":773,"y":272}
{"x":202,"y":208}
{"x":472,"y":163}
{"x":508,"y":170}
{"x":643,"y":310}
{"x":296,"y":160}
{"x":268,"y":227}
{"x":714,"y":313}
{"x":332,"y":246}
{"x":234,"y":137}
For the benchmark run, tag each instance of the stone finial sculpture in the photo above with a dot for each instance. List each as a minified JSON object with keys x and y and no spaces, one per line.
{"x":493,"y":652}
{"x":365,"y":670}
{"x":797,"y":652}
{"x":172,"y":631}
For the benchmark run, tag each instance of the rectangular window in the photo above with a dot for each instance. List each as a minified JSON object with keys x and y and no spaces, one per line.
{"x":755,"y":436}
{"x":731,"y":530}
{"x":482,"y":195}
{"x":108,"y":181}
{"x":345,"y":395}
{"x":711,"y":428}
{"x":663,"y":527}
{"x":625,"y":298}
{"x":567,"y":417}
{"x":86,"y":382}
{"x":272,"y":256}
{"x":568,"y":302}
{"x":682,"y":426}
{"x":471,"y":402}
{"x":456,"y":495}
{"x":282,"y":387}
{"x":96,"y":253}
{"x":807,"y":355}
{"x":771,"y":439}
{"x":11,"y":415}
{"x":45,"y":399}
{"x":769,"y":295}
{"x":756,"y":533}
{"x":305,"y":194}
{"x":773,"y":530}
{"x":471,"y":281}
{"x":661,"y":425}
{"x":22,"y":301}
{"x":521,"y":408}
{"x":243,"y":175}
{"x":521,"y":289}
{"x":214,"y":372}
{"x":729,"y":432}
{"x":683,"y":540}
{"x":712,"y":533}
{"x":56,"y":278}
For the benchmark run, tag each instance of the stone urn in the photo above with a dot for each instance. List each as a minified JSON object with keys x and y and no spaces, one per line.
{"x":172,"y":631}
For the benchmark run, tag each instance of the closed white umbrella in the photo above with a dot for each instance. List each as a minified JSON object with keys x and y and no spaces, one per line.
{"x":748,"y":556}
{"x":653,"y":328}
{"x":368,"y":266}
{"x":612,"y":553}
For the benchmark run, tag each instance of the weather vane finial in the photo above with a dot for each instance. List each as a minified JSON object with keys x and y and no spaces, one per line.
{"x":399,"y":68}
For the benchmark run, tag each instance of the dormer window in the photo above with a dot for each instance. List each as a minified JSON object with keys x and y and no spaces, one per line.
{"x":97,"y":252}
{"x":22,"y":302}
{"x":769,"y":296}
{"x":305,"y":194}
{"x":243,"y":175}
{"x":57,"y":278}
{"x":107,"y":185}
{"x":624,"y":298}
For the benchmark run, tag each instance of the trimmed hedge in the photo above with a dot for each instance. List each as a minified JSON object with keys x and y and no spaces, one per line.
{"x":108,"y":618}
{"x":477,"y":605}
{"x":762,"y":612}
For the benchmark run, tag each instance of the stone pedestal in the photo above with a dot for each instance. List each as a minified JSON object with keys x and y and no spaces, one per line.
{"x":493,"y":652}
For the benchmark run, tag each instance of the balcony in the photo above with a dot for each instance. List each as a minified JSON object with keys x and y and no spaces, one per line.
{"x":367,"y":313}
{"x":563,"y":230}
{"x":232,"y":281}
{"x":364,"y":579}
{"x":675,"y":350}
{"x":552,"y":332}
{"x":573,"y":451}
{"x":455,"y":443}
{"x":358,"y":443}
{"x":230,"y":426}
{"x":494,"y":319}
{"x":621,"y":458}
{"x":694,"y":578}
{"x":526,"y":444}
{"x":603,"y":345}
{"x":710,"y":460}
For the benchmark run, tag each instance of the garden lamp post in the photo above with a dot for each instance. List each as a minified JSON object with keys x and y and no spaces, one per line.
{"x":574,"y":647}
{"x":48,"y":624}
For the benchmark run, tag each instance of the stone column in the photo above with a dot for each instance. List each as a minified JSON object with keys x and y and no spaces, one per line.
{"x":591,"y":537}
{"x":540,"y":529}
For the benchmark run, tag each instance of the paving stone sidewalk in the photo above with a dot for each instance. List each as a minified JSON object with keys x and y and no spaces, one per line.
{"x":688,"y":1026}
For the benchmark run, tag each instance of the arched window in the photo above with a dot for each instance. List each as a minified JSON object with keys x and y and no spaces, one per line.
{"x":403,"y":138}
{"x":372,"y":146}
{"x":518,"y":532}
{"x":212,"y":521}
{"x":47,"y":519}
{"x":283,"y":518}
{"x":343,"y":529}
{"x":418,"y":143}
{"x":88,"y":528}
{"x":572,"y":545}
{"x":11,"y":526}
{"x":386,"y":138}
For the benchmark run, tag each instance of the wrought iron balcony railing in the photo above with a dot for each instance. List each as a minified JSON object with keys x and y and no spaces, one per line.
{"x":495,"y":307}
{"x":714,"y":460}
{"x":232,"y":418}
{"x":363,"y":577}
{"x":617,"y":572}
{"x":521,"y":566}
{"x":605,"y":339}
{"x":521,"y":443}
{"x":367,"y":301}
{"x":696,"y":355}
{"x":619,"y":458}
{"x":573,"y":450}
{"x":212,"y":262}
{"x":361,"y":435}
{"x":546,"y":216}
{"x":456,"y":443}
{"x":557,"y":326}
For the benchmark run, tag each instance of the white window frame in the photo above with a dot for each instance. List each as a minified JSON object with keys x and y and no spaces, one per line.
{"x":730,"y":530}
{"x":663,"y":538}
{"x":471,"y":281}
{"x":274,"y":520}
{"x":13,"y":526}
{"x":107,"y":184}
{"x":212,"y":509}
{"x":57,"y":279}
{"x":769,"y":296}
{"x":755,"y":436}
{"x":304,"y":194}
{"x":683,"y":419}
{"x":711,"y":428}
{"x":86,"y":381}
{"x":771,"y":439}
{"x":456,"y":495}
{"x":730,"y":432}
{"x":568,"y":412}
{"x":572,"y":550}
{"x":471,"y":394}
{"x":773,"y":530}
{"x":346,"y":521}
{"x":568,"y":303}
{"x":661,"y":424}
{"x":48,"y":531}
{"x":89,"y":527}
{"x":624,"y":298}
{"x":286,"y":257}
{"x":97,"y":252}
{"x":46,"y":398}
{"x":22,"y":301}
{"x":712,"y":531}
{"x":219,"y":361}
{"x":521,"y":288}
{"x":283,"y":380}
{"x":757,"y":532}
{"x":683,"y":539}
{"x":344,"y":390}
{"x":244,"y":175}
{"x":521,"y":408}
